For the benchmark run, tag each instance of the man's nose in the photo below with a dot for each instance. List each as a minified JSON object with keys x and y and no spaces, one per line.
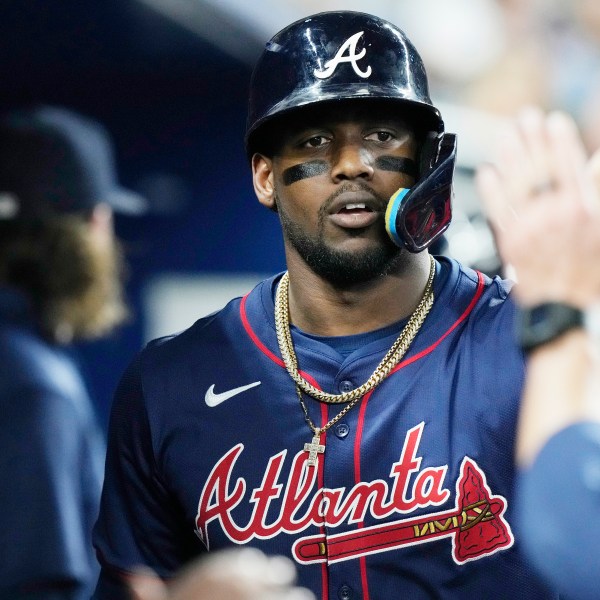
{"x":352,"y":161}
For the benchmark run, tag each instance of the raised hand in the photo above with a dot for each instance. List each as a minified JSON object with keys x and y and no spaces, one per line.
{"x":542,"y":198}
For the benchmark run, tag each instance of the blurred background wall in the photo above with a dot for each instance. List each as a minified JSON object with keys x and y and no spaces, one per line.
{"x":169,"y":79}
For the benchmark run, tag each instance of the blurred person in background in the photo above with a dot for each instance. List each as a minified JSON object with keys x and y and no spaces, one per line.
{"x":496,"y":56}
{"x":572,"y":44}
{"x":547,"y":53}
{"x":519,"y":74}
{"x":543,"y":201}
{"x":60,"y":281}
{"x":484,"y":55}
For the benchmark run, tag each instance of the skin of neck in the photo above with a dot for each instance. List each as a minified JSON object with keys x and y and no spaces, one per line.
{"x":320,"y":308}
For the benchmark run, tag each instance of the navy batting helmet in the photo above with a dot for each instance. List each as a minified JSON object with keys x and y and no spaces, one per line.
{"x":345,"y":55}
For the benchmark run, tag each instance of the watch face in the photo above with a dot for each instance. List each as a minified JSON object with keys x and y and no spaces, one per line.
{"x":543,"y":323}
{"x":539,"y":317}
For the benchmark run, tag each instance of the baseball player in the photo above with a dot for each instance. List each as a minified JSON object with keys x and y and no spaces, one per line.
{"x":357,"y":412}
{"x":60,"y":281}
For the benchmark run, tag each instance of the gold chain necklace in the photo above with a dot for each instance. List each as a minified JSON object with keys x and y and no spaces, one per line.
{"x":389,"y":361}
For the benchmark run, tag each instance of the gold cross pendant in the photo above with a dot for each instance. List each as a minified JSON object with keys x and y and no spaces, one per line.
{"x":313,"y":449}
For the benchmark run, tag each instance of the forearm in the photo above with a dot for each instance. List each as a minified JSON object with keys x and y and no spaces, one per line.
{"x":562,"y":385}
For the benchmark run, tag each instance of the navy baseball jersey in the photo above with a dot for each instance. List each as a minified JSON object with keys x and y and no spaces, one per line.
{"x":412,"y":495}
{"x":51,"y":464}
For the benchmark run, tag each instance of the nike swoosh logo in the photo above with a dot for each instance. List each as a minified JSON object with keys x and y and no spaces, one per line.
{"x":213,"y":399}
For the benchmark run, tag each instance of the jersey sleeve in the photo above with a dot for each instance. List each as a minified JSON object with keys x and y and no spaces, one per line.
{"x":137,"y":525}
{"x":558,"y":500}
{"x":51,"y":465}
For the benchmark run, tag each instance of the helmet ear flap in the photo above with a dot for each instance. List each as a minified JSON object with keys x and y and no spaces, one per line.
{"x":418,"y":216}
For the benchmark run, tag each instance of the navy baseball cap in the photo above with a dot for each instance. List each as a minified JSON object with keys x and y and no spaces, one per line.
{"x":54,"y":161}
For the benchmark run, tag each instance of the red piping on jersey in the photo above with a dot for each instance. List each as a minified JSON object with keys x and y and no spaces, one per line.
{"x":362,"y":411}
{"x":359,"y":432}
{"x":263,"y":348}
{"x":277,"y":360}
{"x":458,"y":321}
{"x":362,"y":561}
{"x":254,"y":337}
{"x":321,"y":480}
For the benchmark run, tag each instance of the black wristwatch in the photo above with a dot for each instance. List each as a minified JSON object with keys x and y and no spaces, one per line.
{"x":543,"y":323}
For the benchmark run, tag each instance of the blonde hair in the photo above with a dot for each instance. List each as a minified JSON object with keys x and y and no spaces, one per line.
{"x":74,"y":283}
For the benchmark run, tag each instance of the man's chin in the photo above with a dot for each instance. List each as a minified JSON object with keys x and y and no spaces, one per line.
{"x":355,"y":266}
{"x":343,"y":260}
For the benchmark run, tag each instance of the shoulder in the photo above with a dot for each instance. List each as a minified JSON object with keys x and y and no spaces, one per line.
{"x":489,"y":296}
{"x":174,"y":361}
{"x":463,"y":277}
{"x":484,"y":313}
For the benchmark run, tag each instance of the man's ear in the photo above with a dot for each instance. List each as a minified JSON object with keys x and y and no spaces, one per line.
{"x":262,"y":178}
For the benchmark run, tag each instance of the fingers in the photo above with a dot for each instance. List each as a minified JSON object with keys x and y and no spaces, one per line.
{"x":539,"y":157}
{"x":594,"y":167}
{"x":240,"y":574}
{"x":252,"y":565}
{"x":551,"y":149}
{"x":491,"y":189}
{"x":523,"y":169}
{"x":568,"y":155}
{"x":512,"y":158}
{"x":534,"y":153}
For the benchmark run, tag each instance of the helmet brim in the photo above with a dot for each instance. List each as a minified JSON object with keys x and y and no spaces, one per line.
{"x":423,"y":117}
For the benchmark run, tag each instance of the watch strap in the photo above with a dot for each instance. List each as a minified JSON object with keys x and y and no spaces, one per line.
{"x":543,"y":323}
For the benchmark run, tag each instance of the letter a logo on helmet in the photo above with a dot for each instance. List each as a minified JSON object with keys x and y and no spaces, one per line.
{"x":350,"y":46}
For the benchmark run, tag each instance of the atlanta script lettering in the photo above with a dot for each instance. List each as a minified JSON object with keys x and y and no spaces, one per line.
{"x":303,"y":505}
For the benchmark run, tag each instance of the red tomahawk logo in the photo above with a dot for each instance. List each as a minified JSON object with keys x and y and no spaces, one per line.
{"x":476,"y":525}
